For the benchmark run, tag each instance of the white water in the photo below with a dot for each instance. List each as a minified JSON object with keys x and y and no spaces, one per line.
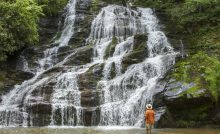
{"x":13,"y":105}
{"x":125,"y":95}
{"x":50,"y":54}
{"x":67,"y":98}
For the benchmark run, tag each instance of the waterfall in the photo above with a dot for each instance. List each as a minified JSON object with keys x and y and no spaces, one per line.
{"x":13,"y":110}
{"x":182,"y":51}
{"x":125,"y":95}
{"x":121,"y":98}
{"x":50,"y":54}
{"x":66,"y":98}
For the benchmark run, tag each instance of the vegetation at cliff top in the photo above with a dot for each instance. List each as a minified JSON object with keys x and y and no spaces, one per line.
{"x":19,"y":22}
{"x":52,"y":7}
{"x":18,"y":25}
{"x":190,"y":19}
{"x":189,"y":15}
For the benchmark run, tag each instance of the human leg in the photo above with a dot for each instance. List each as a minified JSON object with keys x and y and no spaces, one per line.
{"x":147,"y":128}
{"x":151,"y":126}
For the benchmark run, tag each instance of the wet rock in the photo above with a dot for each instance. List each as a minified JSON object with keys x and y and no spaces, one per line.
{"x":89,"y":79}
{"x":88,"y":83}
{"x":92,"y":116}
{"x":52,"y":71}
{"x":11,"y":78}
{"x":184,"y":108}
{"x":48,"y":27}
{"x":111,"y":48}
{"x":138,"y":54}
{"x":81,"y":57}
{"x":90,"y":98}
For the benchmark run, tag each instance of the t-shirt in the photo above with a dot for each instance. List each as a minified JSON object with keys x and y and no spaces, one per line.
{"x":150,"y":116}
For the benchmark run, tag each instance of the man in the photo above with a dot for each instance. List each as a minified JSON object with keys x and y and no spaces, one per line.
{"x":149,"y":116}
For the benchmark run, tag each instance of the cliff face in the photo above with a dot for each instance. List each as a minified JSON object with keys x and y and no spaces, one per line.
{"x":191,"y":91}
{"x":13,"y":70}
{"x":98,"y":65}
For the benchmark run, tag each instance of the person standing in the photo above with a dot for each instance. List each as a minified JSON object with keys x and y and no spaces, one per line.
{"x":150,"y":117}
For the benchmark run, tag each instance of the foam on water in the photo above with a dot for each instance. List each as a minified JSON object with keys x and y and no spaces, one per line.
{"x":122,"y":98}
{"x":13,"y":106}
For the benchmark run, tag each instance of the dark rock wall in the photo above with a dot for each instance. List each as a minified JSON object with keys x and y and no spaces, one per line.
{"x":186,"y":106}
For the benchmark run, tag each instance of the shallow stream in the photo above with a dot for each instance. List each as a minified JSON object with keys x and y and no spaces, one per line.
{"x":104,"y":130}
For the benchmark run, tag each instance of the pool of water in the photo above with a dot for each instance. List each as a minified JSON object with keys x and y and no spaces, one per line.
{"x":103,"y":130}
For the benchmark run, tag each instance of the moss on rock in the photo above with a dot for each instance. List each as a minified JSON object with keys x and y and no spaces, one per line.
{"x":111,"y":48}
{"x":201,"y":69}
{"x":88,"y":82}
{"x":81,"y":57}
{"x":195,"y":105}
{"x":138,"y":54}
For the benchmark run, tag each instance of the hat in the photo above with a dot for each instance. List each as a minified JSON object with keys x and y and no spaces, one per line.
{"x":149,"y":106}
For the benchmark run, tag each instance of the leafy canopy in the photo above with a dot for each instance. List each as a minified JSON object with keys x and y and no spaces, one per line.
{"x":18,"y":25}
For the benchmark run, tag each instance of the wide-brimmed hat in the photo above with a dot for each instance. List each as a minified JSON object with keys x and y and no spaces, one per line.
{"x":149,"y":106}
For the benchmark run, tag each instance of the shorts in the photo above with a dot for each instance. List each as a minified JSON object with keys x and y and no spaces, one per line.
{"x":149,"y":126}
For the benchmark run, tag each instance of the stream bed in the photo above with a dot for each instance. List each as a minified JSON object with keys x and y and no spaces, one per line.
{"x":103,"y":130}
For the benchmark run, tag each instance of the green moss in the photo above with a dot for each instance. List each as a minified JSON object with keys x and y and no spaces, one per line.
{"x":113,"y":71}
{"x":2,"y":76}
{"x":201,"y":69}
{"x":138,"y":54}
{"x":90,"y":78}
{"x":2,"y":80}
{"x":111,"y":48}
{"x":82,"y":57}
{"x":192,"y":89}
{"x":95,"y":5}
{"x":185,"y":124}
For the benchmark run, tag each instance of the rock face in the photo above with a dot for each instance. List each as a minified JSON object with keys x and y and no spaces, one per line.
{"x":139,"y":53}
{"x":185,"y":108}
{"x":184,"y":92}
{"x":101,"y":68}
{"x":10,"y":75}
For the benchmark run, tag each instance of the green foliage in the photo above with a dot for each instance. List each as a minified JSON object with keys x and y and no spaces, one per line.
{"x":19,"y":22}
{"x":203,"y":70}
{"x":197,"y":22}
{"x":187,"y":14}
{"x":52,"y":7}
{"x":205,"y":40}
{"x":195,"y":13}
{"x":18,"y":25}
{"x":95,"y":5}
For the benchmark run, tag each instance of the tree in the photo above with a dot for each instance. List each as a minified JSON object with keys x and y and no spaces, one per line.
{"x":18,"y":25}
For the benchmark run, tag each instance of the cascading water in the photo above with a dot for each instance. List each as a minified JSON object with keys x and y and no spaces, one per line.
{"x":121,"y":99}
{"x":123,"y":104}
{"x":50,"y":54}
{"x":13,"y":106}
